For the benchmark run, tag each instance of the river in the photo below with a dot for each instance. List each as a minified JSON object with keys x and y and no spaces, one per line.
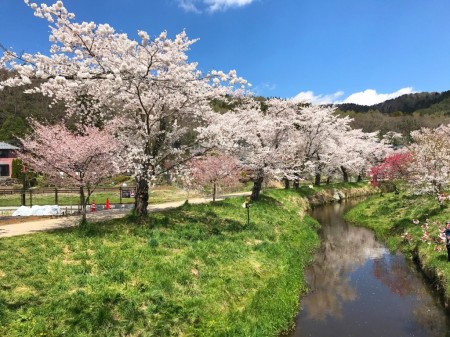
{"x":359,"y":288}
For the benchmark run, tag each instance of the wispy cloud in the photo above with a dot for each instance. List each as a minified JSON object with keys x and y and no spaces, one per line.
{"x":188,"y":6}
{"x":264,"y":88}
{"x":199,"y":6}
{"x":366,"y":97}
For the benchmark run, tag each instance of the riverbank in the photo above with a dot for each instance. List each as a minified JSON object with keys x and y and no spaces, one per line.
{"x":411,"y":224}
{"x":197,"y":270}
{"x":326,"y":194}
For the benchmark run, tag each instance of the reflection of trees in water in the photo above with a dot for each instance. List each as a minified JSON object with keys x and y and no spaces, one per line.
{"x":395,"y":274}
{"x":344,"y":248}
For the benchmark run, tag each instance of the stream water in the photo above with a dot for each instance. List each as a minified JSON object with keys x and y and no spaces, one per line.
{"x":358,"y":288}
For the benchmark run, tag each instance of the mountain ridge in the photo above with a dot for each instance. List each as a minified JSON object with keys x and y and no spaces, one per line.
{"x":407,"y":104}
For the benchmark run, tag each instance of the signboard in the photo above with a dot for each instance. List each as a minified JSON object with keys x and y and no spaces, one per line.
{"x":126,"y":193}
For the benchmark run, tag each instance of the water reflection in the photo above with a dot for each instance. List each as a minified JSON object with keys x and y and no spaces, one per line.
{"x":359,"y":289}
{"x":344,"y":248}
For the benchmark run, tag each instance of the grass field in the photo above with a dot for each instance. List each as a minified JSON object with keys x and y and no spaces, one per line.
{"x":199,"y":270}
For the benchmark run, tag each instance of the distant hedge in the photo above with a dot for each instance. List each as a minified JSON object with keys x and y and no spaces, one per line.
{"x":16,"y":169}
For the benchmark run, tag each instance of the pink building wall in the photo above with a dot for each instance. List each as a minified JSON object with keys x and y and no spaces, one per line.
{"x":6,"y":158}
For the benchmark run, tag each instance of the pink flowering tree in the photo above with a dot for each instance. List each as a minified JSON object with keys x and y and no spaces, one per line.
{"x":394,"y":167}
{"x":98,"y":73}
{"x":81,"y":159}
{"x":212,"y":171}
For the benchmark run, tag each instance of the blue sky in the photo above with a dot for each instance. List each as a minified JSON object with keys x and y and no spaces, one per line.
{"x":362,"y":51}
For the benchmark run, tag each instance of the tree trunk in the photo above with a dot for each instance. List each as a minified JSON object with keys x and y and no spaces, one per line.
{"x":296,"y":184}
{"x":359,"y":179}
{"x":317,"y":179}
{"x":214,"y":192}
{"x":328,"y":180}
{"x":286,"y":183}
{"x":344,"y":174}
{"x":141,"y":198}
{"x":257,"y":186}
{"x":83,"y":205}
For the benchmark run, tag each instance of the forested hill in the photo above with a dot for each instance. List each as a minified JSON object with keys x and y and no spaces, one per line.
{"x":423,"y":102}
{"x":403,"y":114}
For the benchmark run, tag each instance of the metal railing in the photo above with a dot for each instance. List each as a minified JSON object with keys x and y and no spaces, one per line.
{"x":64,"y":196}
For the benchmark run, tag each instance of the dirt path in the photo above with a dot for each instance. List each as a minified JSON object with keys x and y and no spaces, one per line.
{"x":12,"y":226}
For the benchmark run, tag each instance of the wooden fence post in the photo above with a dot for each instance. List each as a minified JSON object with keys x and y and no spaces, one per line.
{"x":23,"y":198}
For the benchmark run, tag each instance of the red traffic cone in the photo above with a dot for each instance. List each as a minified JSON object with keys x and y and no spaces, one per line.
{"x":107,"y":205}
{"x":93,"y":207}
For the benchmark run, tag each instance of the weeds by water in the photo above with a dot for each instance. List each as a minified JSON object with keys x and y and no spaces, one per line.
{"x":199,"y":270}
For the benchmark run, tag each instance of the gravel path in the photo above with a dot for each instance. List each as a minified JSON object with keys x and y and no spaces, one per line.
{"x":12,"y":226}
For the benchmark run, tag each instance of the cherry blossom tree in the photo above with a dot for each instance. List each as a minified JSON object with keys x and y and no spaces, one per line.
{"x":214,"y":170}
{"x":82,"y":159}
{"x":256,"y":133}
{"x":358,"y":151}
{"x":287,"y":139}
{"x":98,"y":73}
{"x":326,"y":145}
{"x":429,"y":171}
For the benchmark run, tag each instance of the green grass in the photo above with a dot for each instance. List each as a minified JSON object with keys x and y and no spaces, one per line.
{"x":392,"y":215}
{"x":306,"y":190}
{"x":157,"y":194}
{"x":194,"y":271}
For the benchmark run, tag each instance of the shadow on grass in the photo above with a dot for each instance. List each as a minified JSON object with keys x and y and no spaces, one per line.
{"x":191,"y":221}
{"x":199,"y":222}
{"x":443,"y":257}
{"x":400,"y":226}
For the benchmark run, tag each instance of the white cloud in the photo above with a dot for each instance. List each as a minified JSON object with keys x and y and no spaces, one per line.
{"x":197,"y":6}
{"x":217,"y":5}
{"x":366,"y":97}
{"x":267,"y":86}
{"x":308,"y":96}
{"x":371,"y":97}
{"x":188,"y":6}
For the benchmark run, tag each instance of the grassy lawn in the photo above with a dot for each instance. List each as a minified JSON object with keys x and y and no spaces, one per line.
{"x":157,"y":194}
{"x":392,"y":215}
{"x":194,"y":271}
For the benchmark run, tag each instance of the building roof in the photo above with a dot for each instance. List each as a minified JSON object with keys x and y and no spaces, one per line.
{"x":5,"y":146}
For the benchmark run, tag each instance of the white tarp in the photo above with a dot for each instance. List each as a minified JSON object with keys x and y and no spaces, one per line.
{"x":37,"y":210}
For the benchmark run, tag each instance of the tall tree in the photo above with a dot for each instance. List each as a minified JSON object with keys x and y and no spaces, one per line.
{"x":149,"y":84}
{"x":255,"y":132}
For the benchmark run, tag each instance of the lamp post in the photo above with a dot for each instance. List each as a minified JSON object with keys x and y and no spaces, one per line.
{"x":24,"y":183}
{"x":246,"y":205}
